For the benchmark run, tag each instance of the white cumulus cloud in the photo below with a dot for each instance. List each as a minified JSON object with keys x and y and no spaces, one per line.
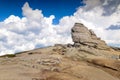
{"x":29,"y":32}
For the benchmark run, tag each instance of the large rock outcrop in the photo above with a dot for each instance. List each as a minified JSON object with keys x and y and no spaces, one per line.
{"x":81,"y":35}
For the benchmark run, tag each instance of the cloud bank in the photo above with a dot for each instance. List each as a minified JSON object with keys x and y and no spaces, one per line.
{"x":35,"y":30}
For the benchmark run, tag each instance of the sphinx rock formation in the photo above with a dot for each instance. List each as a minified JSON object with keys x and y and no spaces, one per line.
{"x":81,"y":35}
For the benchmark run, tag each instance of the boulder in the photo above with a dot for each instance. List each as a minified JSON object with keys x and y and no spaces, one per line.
{"x":81,"y":35}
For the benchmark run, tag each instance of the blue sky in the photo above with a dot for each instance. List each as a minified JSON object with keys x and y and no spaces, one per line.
{"x":59,"y":8}
{"x":30,"y":24}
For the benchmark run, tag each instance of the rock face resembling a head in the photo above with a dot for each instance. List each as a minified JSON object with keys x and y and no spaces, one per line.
{"x":81,"y":35}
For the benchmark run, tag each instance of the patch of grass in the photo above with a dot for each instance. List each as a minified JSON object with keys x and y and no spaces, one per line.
{"x":21,"y":52}
{"x":9,"y":55}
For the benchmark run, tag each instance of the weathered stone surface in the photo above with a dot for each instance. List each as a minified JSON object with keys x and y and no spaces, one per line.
{"x":81,"y":63}
{"x":81,"y":35}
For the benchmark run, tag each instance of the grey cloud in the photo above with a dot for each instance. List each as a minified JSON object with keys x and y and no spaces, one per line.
{"x":90,"y":4}
{"x":109,"y":6}
{"x":113,"y":27}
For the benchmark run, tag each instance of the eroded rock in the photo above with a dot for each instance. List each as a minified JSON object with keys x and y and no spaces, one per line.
{"x":81,"y":35}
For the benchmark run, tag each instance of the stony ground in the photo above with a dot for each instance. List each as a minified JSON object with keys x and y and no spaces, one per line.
{"x":61,"y":63}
